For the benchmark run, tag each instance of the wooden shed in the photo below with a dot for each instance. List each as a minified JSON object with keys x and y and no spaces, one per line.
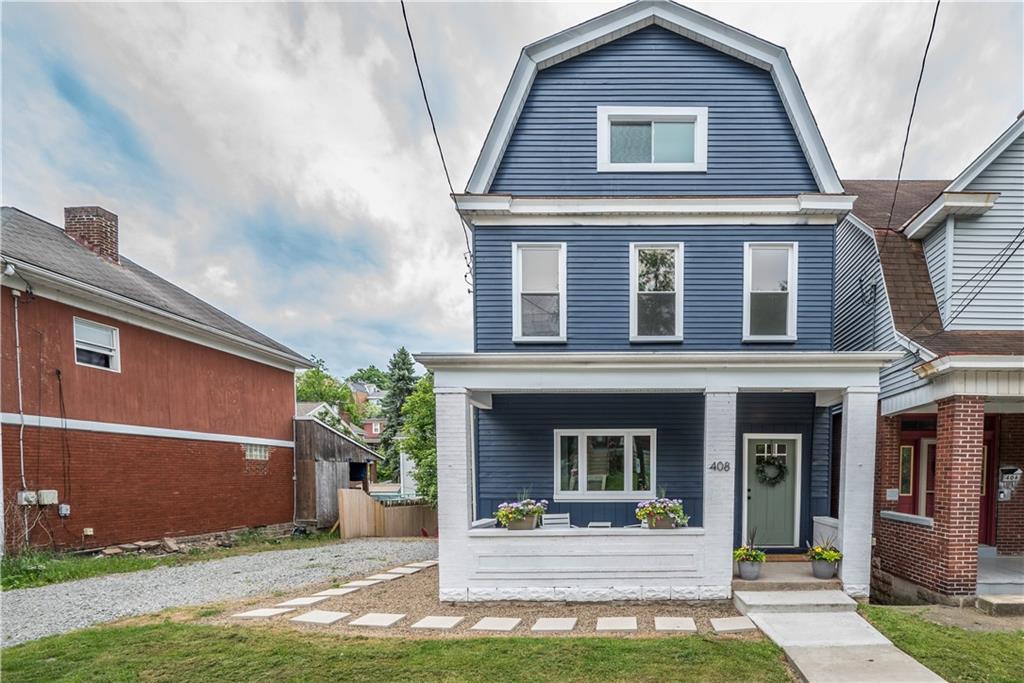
{"x":326,"y":460}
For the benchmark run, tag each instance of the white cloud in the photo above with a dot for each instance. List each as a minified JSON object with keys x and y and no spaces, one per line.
{"x":295,"y":182}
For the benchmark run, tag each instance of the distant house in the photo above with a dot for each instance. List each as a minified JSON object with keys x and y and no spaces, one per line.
{"x":367,"y":392}
{"x":131,"y":408}
{"x":330,"y":415}
{"x":372,"y":395}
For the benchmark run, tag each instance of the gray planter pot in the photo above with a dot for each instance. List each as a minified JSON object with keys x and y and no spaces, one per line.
{"x":823,"y":569}
{"x":661,"y":523}
{"x":527,"y":523}
{"x":749,"y":571}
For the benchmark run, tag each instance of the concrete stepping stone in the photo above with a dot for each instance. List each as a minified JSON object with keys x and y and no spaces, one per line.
{"x":443,"y":623}
{"x":379,"y":619}
{"x":732,"y":624}
{"x":405,"y":570}
{"x":334,"y":592}
{"x":384,"y":577}
{"x":548,"y":624}
{"x":678,"y":624}
{"x":361,"y":583}
{"x":495,"y":624}
{"x":423,"y":564}
{"x":302,"y":602}
{"x":616,"y":624}
{"x":320,"y":616}
{"x":263,"y":613}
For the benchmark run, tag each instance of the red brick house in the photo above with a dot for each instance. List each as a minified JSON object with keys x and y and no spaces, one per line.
{"x":943,"y":281}
{"x":146,"y":410}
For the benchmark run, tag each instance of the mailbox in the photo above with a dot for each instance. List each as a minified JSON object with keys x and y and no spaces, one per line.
{"x":1009,"y":479}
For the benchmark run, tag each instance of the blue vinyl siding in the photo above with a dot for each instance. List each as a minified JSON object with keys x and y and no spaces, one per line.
{"x":515,"y":448}
{"x":779,"y":414}
{"x":598,"y":286}
{"x":752,"y":148}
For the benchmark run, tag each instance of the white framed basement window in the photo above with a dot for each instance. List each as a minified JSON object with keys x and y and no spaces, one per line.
{"x":656,"y":292}
{"x":97,"y":345}
{"x":652,"y":139}
{"x":769,"y":291}
{"x":538,"y":292}
{"x":605,"y":464}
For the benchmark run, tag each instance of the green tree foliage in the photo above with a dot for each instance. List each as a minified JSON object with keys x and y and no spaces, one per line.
{"x":372,"y":374}
{"x":318,"y":384}
{"x":420,"y":432}
{"x":401,"y":381}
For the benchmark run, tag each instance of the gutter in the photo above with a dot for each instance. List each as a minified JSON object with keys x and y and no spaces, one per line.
{"x":947,"y":364}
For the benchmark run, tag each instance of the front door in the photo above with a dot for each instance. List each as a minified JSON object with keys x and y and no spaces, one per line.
{"x":772,"y":474}
{"x":987,"y":495}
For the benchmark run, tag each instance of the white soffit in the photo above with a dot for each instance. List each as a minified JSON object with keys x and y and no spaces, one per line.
{"x":948,"y":204}
{"x":673,"y":17}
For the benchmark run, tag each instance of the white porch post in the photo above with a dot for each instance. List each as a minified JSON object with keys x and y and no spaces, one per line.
{"x":454,"y":490}
{"x":719,"y":490}
{"x":857,"y":488}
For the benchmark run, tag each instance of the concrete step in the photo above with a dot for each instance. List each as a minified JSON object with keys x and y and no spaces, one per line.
{"x":1001,"y":605}
{"x":764,"y":584}
{"x":760,"y":602}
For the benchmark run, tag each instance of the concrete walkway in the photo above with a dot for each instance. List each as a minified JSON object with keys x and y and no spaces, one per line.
{"x":826,"y":640}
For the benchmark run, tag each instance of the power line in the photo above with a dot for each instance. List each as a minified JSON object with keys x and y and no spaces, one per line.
{"x":433,"y":127}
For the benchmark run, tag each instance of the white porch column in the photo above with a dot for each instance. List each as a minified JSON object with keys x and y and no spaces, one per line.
{"x":857,"y":488}
{"x":719,"y":490}
{"x":454,"y":489}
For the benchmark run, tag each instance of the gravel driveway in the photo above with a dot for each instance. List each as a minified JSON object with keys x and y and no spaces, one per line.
{"x":32,"y":613}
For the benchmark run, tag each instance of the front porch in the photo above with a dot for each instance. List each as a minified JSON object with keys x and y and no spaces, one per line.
{"x":594,"y":434}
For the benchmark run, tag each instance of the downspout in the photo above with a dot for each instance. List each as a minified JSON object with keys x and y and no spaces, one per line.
{"x":21,"y":406}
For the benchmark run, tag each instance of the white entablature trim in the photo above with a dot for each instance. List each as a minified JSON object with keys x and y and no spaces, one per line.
{"x":991,"y":383}
{"x":678,"y":19}
{"x":940,"y":366}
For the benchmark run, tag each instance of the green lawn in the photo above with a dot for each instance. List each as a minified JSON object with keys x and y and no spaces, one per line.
{"x":953,"y":653}
{"x":190,"y":652}
{"x":39,"y":568}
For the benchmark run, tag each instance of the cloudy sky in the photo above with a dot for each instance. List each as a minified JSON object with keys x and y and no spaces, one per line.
{"x":276,"y":159}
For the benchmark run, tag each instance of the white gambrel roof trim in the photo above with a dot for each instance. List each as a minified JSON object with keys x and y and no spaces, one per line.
{"x":975,"y":168}
{"x":673,"y":17}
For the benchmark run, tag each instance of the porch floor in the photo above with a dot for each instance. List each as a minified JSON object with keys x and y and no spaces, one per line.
{"x":783,"y":576}
{"x":1000,"y":575}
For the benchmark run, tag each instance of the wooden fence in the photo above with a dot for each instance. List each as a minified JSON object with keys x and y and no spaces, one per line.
{"x":360,"y":515}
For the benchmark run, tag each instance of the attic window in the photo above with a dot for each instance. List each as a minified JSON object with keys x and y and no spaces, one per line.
{"x":652,"y":139}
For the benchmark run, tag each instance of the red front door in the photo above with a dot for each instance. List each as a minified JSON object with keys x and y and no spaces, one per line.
{"x":987,"y":495}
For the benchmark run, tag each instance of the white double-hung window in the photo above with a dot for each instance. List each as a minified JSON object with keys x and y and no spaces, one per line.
{"x":656,"y":292}
{"x":769,"y":291}
{"x":605,"y":464}
{"x":652,"y":139}
{"x":97,"y":345}
{"x":538,"y":292}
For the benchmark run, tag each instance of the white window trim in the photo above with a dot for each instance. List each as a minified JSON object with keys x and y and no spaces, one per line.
{"x":517,"y":321}
{"x":791,"y":310}
{"x":115,"y":359}
{"x":375,"y":428}
{"x":696,"y":115}
{"x":797,"y":490}
{"x":610,"y":496}
{"x":634,"y":270}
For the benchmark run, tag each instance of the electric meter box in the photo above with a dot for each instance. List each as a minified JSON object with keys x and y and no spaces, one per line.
{"x":47,"y":497}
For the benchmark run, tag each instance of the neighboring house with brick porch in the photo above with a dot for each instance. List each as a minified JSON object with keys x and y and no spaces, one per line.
{"x":653,"y":216}
{"x":943,"y":282}
{"x":145,"y":409}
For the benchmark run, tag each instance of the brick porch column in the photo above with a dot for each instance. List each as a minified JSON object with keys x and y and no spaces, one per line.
{"x":960,"y":437}
{"x":1010,"y":513}
{"x":454,"y":490}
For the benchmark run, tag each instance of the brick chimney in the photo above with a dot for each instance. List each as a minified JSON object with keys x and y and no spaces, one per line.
{"x":95,"y":227}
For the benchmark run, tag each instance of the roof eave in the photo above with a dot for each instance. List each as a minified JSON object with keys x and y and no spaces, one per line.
{"x":947,"y":204}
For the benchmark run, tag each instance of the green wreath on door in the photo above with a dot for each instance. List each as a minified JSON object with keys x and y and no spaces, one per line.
{"x":772,"y":470}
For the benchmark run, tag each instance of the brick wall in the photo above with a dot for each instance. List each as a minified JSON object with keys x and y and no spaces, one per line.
{"x":942,"y":558}
{"x":1010,"y":514}
{"x":131,"y":488}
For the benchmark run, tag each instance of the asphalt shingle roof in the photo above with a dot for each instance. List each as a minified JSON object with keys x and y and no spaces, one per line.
{"x":44,"y":245}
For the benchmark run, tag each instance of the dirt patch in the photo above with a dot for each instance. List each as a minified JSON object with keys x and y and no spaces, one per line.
{"x":966,"y":618}
{"x":416,"y":597}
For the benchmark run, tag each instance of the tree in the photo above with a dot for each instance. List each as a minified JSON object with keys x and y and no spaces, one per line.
{"x":318,"y":384}
{"x":401,"y":381}
{"x":420,"y":437}
{"x":370,"y":374}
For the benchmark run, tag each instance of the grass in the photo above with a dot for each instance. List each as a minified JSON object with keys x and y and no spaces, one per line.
{"x":953,"y":653}
{"x":43,"y":567}
{"x":190,"y":652}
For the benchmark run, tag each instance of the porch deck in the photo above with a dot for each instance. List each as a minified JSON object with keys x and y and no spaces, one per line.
{"x":1000,"y":575}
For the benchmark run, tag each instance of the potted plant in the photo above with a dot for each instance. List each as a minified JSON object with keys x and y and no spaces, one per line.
{"x":662,"y":513}
{"x":749,"y":559}
{"x":521,"y":515}
{"x":824,"y":559}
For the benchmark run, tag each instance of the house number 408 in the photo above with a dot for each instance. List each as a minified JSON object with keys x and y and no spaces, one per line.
{"x":719,"y":466}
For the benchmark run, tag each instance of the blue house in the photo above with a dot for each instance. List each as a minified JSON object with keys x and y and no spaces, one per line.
{"x":654,"y":215}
